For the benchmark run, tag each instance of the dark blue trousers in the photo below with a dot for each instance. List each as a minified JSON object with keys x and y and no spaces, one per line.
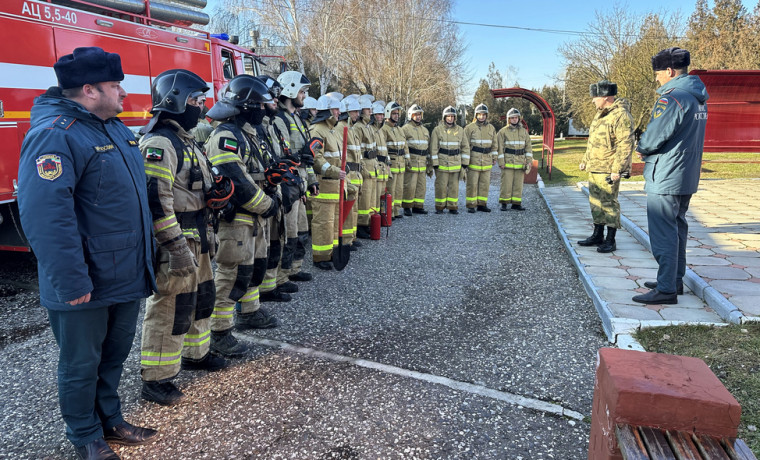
{"x":93,"y":344}
{"x":668,"y":233}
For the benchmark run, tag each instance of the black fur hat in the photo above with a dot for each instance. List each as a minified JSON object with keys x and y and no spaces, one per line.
{"x":674,"y":58}
{"x":602,"y":89}
{"x":87,"y":65}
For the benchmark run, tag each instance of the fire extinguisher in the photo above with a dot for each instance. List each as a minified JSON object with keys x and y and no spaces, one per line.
{"x":386,"y":208}
{"x":374,"y":226}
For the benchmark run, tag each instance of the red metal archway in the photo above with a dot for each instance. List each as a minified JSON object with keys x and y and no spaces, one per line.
{"x":546,"y":114}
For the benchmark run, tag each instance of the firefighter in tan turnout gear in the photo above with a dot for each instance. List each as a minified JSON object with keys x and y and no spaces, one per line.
{"x":608,"y":156}
{"x":515,"y":160}
{"x":417,"y":141}
{"x":176,"y":325}
{"x":325,"y":144}
{"x":368,"y":197}
{"x":349,"y":114}
{"x":383,"y":160}
{"x":481,"y":136}
{"x":449,"y":153}
{"x":239,"y":262}
{"x":395,"y":142}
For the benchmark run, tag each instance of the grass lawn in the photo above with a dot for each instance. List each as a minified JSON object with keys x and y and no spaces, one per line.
{"x":568,"y":154}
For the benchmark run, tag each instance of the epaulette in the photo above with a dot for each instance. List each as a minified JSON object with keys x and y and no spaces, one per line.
{"x":64,"y":122}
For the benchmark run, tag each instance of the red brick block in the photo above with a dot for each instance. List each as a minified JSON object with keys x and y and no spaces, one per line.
{"x":659,"y":390}
{"x":532,"y":176}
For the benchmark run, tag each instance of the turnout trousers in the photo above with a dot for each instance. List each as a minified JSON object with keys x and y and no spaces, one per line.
{"x":478,"y":182}
{"x":324,"y":230}
{"x":512,"y":180}
{"x":415,"y":183}
{"x":176,"y":320}
{"x":668,"y":234}
{"x":396,"y":183}
{"x":368,"y":197}
{"x":296,"y":237}
{"x":93,"y":345}
{"x":447,"y":189}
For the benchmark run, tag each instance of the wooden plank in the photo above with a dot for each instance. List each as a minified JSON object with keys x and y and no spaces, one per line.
{"x":738,"y":449}
{"x":656,"y":444}
{"x":630,"y":443}
{"x":682,"y":445}
{"x":710,"y":447}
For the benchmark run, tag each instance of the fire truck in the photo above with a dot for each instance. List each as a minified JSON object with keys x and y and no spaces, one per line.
{"x":151,"y":37}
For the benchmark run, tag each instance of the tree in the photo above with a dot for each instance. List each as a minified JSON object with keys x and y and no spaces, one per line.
{"x":725,"y":37}
{"x":555,"y":97}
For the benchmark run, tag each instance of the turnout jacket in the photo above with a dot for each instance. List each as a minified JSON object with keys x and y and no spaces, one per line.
{"x":326,"y":147}
{"x":84,"y":206}
{"x":449,"y":149}
{"x":482,"y":140}
{"x":610,"y":140}
{"x":294,"y":133}
{"x":417,"y":142}
{"x":674,"y":140}
{"x":514,"y":147}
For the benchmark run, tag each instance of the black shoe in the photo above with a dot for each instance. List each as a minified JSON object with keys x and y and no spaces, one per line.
{"x":163,"y":393}
{"x":518,"y":207}
{"x":358,"y":244}
{"x":300,"y":276}
{"x":288,"y":287}
{"x":471,"y":210}
{"x":129,"y":435}
{"x":260,"y":319}
{"x":504,"y":206}
{"x":227,"y":345}
{"x":96,"y":450}
{"x":363,"y":232}
{"x":353,"y":248}
{"x":596,"y":238}
{"x":453,"y":211}
{"x":325,"y":265}
{"x":211,"y":363}
{"x":419,"y":211}
{"x":609,"y":242}
{"x":407,"y":211}
{"x":484,"y":208}
{"x":653,"y":285}
{"x":656,"y":297}
{"x":439,"y":211}
{"x":275,"y":295}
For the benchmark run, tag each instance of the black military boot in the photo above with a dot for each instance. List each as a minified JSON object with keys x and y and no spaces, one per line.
{"x":419,"y":211}
{"x":484,"y":208}
{"x":161,"y":392}
{"x":324,"y":265}
{"x":226,"y":344}
{"x":300,"y":276}
{"x":609,"y":242}
{"x":471,"y":210}
{"x":260,"y":319}
{"x":407,"y":211}
{"x":209,"y":363}
{"x":518,"y":207}
{"x":453,"y":211}
{"x":362,"y":231}
{"x":439,"y":211}
{"x":596,"y":238}
{"x":275,"y":295}
{"x":288,"y":287}
{"x":504,"y":206}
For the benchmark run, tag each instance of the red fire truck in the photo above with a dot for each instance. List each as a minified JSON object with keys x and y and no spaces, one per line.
{"x":151,"y":37}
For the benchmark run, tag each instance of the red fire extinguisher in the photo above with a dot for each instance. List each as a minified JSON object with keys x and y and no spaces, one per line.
{"x":386,"y":209}
{"x":374,"y":226}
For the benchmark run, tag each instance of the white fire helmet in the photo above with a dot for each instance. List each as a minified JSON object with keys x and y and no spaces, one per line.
{"x":513,"y":112}
{"x":391,"y":107}
{"x":378,"y":107}
{"x":292,"y":82}
{"x":365,"y":101}
{"x":450,"y":110}
{"x":349,"y":103}
{"x":481,"y":108}
{"x":412,"y":110}
{"x":326,"y":102}
{"x":309,"y":103}
{"x":335,"y":95}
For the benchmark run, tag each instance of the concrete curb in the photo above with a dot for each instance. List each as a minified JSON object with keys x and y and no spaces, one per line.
{"x":714,"y":299}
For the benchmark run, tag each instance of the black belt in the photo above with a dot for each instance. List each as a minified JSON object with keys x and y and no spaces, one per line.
{"x":382,"y":158}
{"x":195,"y":220}
{"x":351,"y":166}
{"x":393,"y":151}
{"x":481,"y":150}
{"x":370,"y":154}
{"x":417,"y":151}
{"x":509,"y":151}
{"x":449,"y":151}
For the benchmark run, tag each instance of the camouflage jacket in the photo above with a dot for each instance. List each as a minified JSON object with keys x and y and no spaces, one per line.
{"x":610,"y":140}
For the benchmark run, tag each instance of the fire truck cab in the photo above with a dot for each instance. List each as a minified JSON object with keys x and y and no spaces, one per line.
{"x":36,"y":33}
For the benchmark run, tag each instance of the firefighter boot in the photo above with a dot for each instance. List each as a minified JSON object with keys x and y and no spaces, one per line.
{"x":275,"y":295}
{"x":162,"y":392}
{"x":227,"y":345}
{"x":260,"y":319}
{"x":596,"y":238}
{"x":362,"y":231}
{"x":609,"y":242}
{"x":324,"y":265}
{"x":288,"y":287}
{"x":484,"y":208}
{"x":407,"y":211}
{"x":419,"y":211}
{"x":518,"y":207}
{"x":209,"y":363}
{"x":504,"y":206}
{"x":300,"y":276}
{"x":471,"y":210}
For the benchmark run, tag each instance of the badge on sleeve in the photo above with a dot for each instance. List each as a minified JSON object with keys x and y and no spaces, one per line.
{"x":230,"y":145}
{"x":49,"y":166}
{"x":154,"y":154}
{"x":660,"y":107}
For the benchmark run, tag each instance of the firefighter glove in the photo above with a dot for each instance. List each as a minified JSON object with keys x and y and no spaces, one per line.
{"x":463,"y":174}
{"x":181,"y":259}
{"x":430,"y":171}
{"x":314,"y":188}
{"x":274,"y":207}
{"x":408,"y":163}
{"x":528,"y":164}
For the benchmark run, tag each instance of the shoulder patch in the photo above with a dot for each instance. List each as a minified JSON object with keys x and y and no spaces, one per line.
{"x":228,"y":144}
{"x":64,"y":122}
{"x":154,"y":154}
{"x":49,"y":166}
{"x":660,"y":107}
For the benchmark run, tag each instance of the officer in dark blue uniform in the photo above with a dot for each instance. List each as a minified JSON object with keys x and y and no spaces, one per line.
{"x":84,"y":208}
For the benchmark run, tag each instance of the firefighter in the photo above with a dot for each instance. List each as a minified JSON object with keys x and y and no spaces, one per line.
{"x":290,"y":127}
{"x":417,"y":139}
{"x":176,"y":320}
{"x":383,"y":161}
{"x":449,"y":154}
{"x":608,"y":155}
{"x":349,"y":115}
{"x":308,"y":111}
{"x":515,"y":160}
{"x":368,"y":198}
{"x":395,"y":142}
{"x":232,"y":152}
{"x":481,"y":136}
{"x":325,"y":146}
{"x":276,"y":287}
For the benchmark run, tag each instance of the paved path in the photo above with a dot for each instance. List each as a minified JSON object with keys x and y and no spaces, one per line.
{"x":723,"y":255}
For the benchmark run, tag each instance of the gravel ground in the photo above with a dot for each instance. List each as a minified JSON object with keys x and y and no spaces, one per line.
{"x":488,"y":298}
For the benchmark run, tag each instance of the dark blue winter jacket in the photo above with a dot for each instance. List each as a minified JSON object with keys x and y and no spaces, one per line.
{"x":83,"y":204}
{"x":675,"y":137}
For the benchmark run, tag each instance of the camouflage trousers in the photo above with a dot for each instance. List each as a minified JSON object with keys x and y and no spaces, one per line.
{"x":603,"y":198}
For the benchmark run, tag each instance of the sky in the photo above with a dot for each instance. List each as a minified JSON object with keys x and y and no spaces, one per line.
{"x":531,"y":57}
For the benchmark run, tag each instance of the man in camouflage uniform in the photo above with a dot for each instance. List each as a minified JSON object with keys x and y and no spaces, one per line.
{"x":417,"y":140}
{"x":449,"y":153}
{"x":176,"y":325}
{"x":608,"y":156}
{"x":481,"y":136}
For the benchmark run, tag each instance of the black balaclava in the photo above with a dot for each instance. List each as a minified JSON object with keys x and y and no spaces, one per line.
{"x":187,"y":119}
{"x":255,"y":116}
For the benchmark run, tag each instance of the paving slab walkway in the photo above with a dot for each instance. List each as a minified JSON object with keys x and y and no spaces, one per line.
{"x":722,"y":283}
